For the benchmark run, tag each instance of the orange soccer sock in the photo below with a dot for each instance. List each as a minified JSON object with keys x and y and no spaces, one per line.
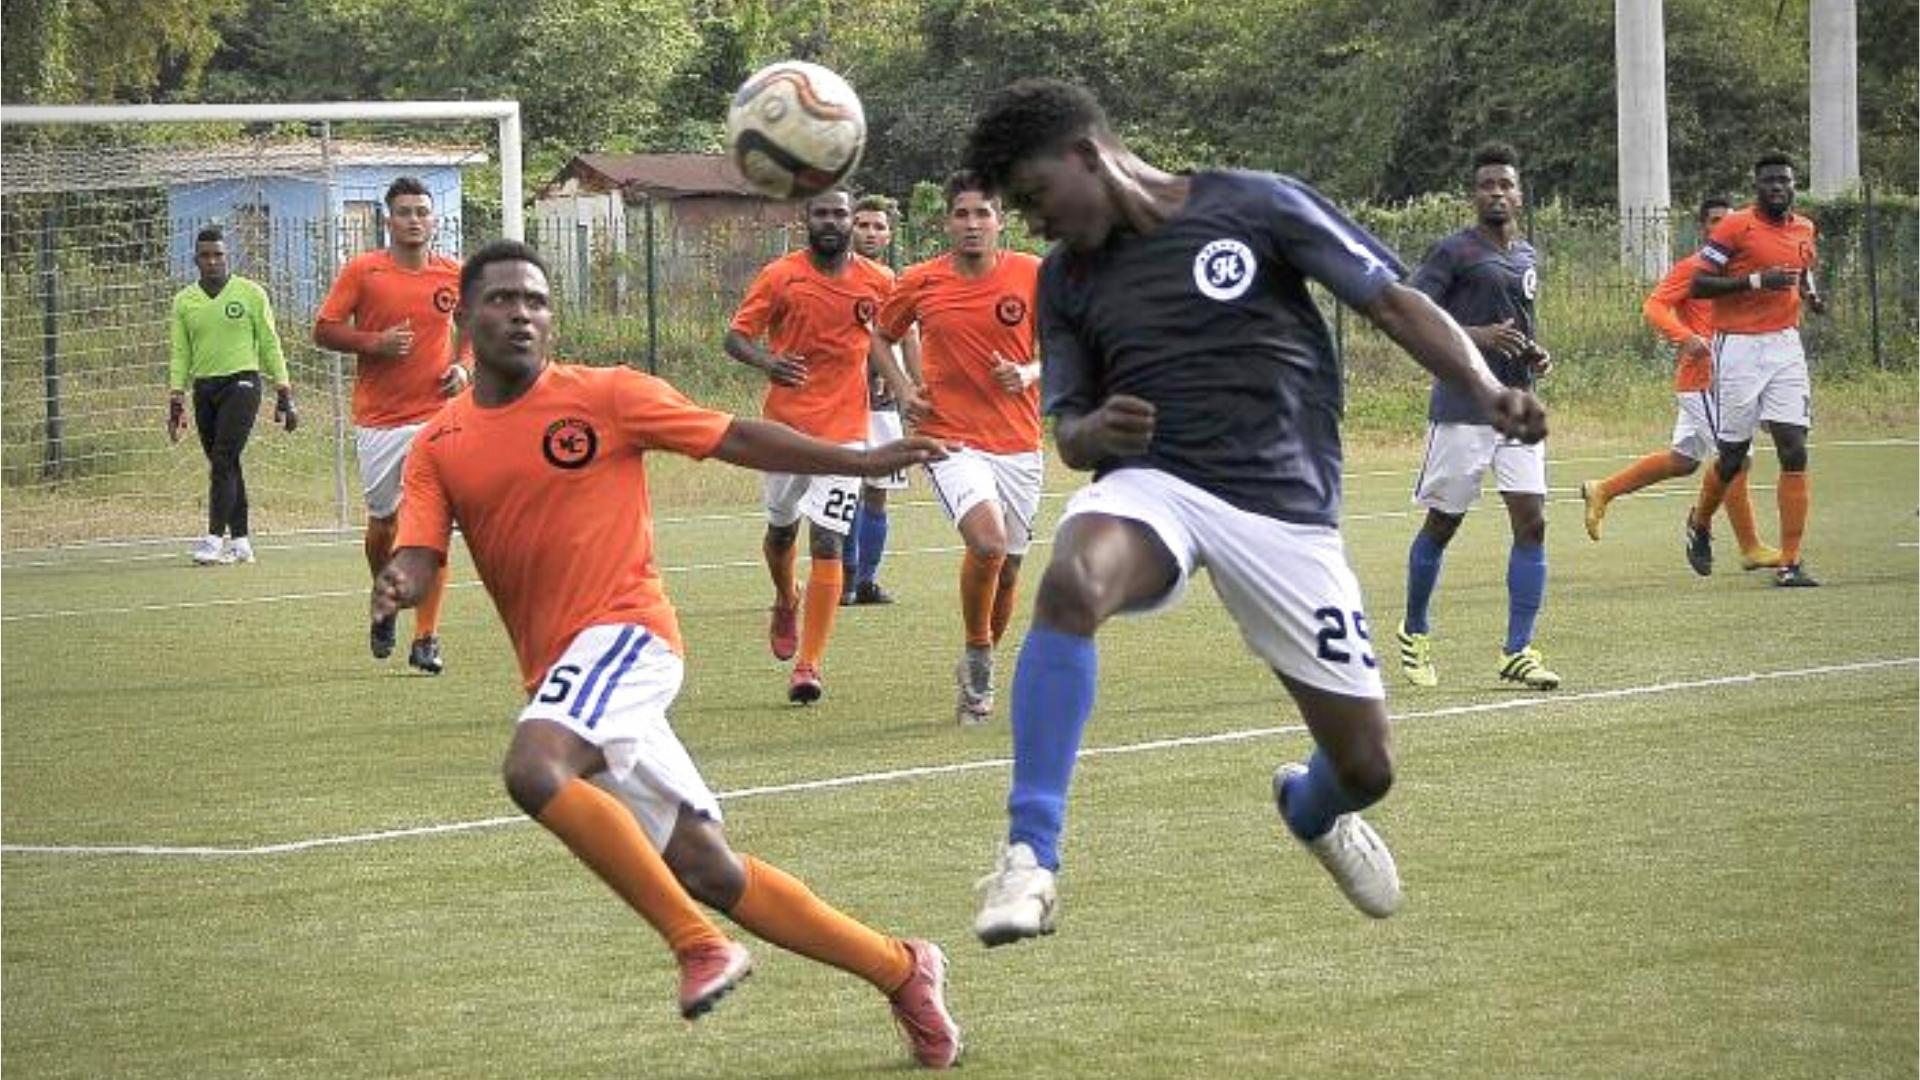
{"x":602,"y":832}
{"x":1003,"y":606}
{"x":780,"y":562}
{"x":979,"y":580}
{"x":426,"y":617}
{"x":1740,"y":512}
{"x":781,"y":909}
{"x":1712,"y":493}
{"x":818,"y":607}
{"x":1795,"y":499}
{"x":1645,"y":472}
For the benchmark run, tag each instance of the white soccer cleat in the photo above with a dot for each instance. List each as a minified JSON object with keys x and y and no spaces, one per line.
{"x":209,"y":551}
{"x":1020,"y":899}
{"x":238,"y":551}
{"x":973,"y":676}
{"x":1351,"y":851}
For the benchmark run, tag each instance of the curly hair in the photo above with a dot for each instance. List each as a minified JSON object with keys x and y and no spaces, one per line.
{"x":497,"y":251}
{"x":1775,"y":157}
{"x":1496,"y":153}
{"x":1028,"y":118}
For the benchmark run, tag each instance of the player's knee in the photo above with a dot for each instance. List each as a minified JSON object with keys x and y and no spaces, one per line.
{"x":1070,"y":599}
{"x":988,"y":544}
{"x":1792,"y":452}
{"x":1530,"y":532}
{"x":824,"y":545}
{"x":532,"y":781}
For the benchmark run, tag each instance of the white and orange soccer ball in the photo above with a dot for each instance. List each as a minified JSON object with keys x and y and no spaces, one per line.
{"x":795,"y":129}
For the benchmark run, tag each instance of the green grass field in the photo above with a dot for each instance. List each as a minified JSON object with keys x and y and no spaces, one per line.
{"x":1697,"y":860}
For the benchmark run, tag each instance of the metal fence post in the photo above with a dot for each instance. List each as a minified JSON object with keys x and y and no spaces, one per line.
{"x":52,"y":464}
{"x":1873,"y":275}
{"x":653,"y":294}
{"x":331,"y":260}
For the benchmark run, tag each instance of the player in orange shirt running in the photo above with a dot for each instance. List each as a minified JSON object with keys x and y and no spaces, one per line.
{"x":542,"y":467}
{"x":393,"y":309}
{"x":815,"y":307}
{"x":1758,"y":264}
{"x":975,"y":309}
{"x":1688,"y":323}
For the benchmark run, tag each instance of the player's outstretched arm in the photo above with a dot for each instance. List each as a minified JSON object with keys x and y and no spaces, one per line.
{"x":1438,"y":344}
{"x":404,"y":580}
{"x":774,"y":447}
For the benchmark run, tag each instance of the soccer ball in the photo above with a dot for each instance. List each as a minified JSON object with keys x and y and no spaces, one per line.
{"x":795,"y":129}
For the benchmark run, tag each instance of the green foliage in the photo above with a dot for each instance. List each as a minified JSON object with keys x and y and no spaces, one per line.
{"x":64,"y":51}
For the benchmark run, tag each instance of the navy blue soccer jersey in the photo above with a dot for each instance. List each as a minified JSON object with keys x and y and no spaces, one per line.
{"x":1208,"y":318}
{"x":1480,"y":285}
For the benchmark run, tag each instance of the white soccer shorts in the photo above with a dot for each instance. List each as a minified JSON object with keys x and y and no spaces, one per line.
{"x":1288,"y":587}
{"x":967,"y":477}
{"x":1693,"y":425}
{"x":1459,"y":455}
{"x":1760,"y":379}
{"x":883,"y":426}
{"x":383,"y":459}
{"x":612,"y":688}
{"x":828,"y":501}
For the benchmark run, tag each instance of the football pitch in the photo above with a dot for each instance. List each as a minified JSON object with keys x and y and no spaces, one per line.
{"x":236,"y":846}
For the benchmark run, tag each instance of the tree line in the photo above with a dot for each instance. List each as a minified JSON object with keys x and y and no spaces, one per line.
{"x":1368,"y":100}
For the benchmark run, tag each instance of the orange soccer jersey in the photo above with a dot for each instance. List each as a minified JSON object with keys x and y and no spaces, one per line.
{"x":826,"y":322}
{"x":1678,"y":315}
{"x":377,"y":293}
{"x":1747,"y":242}
{"x":963,"y":323}
{"x":550,"y":494}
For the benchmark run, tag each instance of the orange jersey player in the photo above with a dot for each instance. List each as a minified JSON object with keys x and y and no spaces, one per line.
{"x":1687,"y":321}
{"x":543,"y":469}
{"x":393,"y":309}
{"x":815,"y":309}
{"x":1757,"y":264}
{"x":975,"y":309}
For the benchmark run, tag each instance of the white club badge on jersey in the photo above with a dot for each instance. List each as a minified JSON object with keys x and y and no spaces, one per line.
{"x":1224,"y":270}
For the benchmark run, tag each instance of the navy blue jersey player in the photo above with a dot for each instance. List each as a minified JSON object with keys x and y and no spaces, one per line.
{"x":1188,"y":368}
{"x":1486,"y":278}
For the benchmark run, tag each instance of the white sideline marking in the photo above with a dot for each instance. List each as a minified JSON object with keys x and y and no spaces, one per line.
{"x":183,"y":542}
{"x":686,"y":568}
{"x":922,"y":771}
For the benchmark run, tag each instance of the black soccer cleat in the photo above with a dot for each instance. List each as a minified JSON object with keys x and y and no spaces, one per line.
{"x":870,"y":592}
{"x":1699,"y":548}
{"x":1791,"y":576}
{"x":380,"y":639}
{"x":425,"y":655}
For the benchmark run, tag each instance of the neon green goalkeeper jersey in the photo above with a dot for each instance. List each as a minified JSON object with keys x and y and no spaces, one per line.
{"x":224,"y":334}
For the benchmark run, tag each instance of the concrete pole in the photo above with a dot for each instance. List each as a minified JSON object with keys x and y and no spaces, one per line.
{"x":1834,"y":108}
{"x":1640,"y":51}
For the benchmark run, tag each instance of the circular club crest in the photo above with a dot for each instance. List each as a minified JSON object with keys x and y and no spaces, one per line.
{"x":864,"y":310}
{"x":444,"y":299}
{"x":1010,"y":310}
{"x":569,"y":444}
{"x":235,"y":311}
{"x":1530,"y":283}
{"x":1224,"y":270}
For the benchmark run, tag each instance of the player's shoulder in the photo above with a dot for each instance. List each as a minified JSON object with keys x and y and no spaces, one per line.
{"x":445,"y":264}
{"x":367,"y":262}
{"x":1801,"y":223}
{"x":871,"y":270}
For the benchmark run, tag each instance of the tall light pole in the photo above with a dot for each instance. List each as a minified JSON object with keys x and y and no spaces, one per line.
{"x":1640,"y":51}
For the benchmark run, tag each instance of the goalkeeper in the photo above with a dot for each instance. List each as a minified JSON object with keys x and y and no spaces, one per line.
{"x":223,"y":339}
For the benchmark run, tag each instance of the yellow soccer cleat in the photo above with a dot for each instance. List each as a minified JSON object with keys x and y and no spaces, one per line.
{"x":1762,"y":557}
{"x":1416,"y":657}
{"x":1528,"y":668}
{"x":1596,"y":501}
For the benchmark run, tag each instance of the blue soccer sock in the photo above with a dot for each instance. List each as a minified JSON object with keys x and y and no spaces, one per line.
{"x":1526,"y":587}
{"x":850,"y":550}
{"x":1053,"y":688}
{"x":1423,"y":573}
{"x":872,"y":527}
{"x":1314,"y":800}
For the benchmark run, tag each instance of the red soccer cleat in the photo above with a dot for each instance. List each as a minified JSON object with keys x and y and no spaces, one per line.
{"x":708,"y":973}
{"x":920,"y":1008}
{"x":783,"y":632}
{"x":806,"y":688}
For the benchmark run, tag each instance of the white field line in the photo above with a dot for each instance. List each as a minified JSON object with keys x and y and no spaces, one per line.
{"x":176,"y":545}
{"x":926,"y":771}
{"x":684,"y":568}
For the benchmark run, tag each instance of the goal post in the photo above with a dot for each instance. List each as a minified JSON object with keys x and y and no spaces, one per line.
{"x":98,"y":209}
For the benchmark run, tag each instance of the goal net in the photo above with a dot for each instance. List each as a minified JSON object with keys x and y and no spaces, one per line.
{"x":97,"y":225}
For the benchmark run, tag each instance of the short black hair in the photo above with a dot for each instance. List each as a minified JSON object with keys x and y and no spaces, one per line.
{"x":961,"y":181}
{"x":1028,"y":118}
{"x":1711,"y":203}
{"x":406,"y":185}
{"x":1775,"y":157}
{"x":1496,"y":153}
{"x":495,"y":252}
{"x":878,"y":204}
{"x":212,"y":234}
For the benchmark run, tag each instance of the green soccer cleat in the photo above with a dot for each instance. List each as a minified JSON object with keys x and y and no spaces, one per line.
{"x":1528,"y":668}
{"x":1416,"y":657}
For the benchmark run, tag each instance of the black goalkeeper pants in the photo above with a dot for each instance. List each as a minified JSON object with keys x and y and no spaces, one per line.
{"x":224,"y":408}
